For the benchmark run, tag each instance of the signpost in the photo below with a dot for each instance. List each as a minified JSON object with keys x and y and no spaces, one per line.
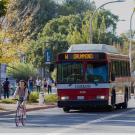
{"x":48,"y":56}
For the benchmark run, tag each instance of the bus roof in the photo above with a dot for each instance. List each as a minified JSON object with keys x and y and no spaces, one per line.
{"x":92,"y":48}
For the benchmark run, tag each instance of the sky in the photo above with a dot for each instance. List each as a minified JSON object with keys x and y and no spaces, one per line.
{"x":123,"y":10}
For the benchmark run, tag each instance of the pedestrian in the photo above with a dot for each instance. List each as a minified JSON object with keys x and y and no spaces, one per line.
{"x":38,"y":84}
{"x":45,"y":84}
{"x":30,"y":84}
{"x":6,"y":85}
{"x":49,"y":85}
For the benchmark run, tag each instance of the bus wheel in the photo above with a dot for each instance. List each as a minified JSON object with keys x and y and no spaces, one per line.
{"x":66,"y":109}
{"x":118,"y":106}
{"x":125,"y":104}
{"x":113,"y":99}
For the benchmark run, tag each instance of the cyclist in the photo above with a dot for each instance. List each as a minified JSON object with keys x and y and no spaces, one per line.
{"x":22,"y":92}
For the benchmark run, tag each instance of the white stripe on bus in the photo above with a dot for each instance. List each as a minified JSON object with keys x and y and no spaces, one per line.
{"x":96,"y":85}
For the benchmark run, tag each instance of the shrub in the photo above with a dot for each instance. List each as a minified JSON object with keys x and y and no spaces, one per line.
{"x":33,"y":97}
{"x":51,"y":98}
{"x":8,"y":101}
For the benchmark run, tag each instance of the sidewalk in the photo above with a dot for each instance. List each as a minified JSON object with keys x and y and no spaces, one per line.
{"x":10,"y":108}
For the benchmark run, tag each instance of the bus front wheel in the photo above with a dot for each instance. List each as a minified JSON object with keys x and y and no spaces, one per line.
{"x":125,"y":104}
{"x":113,"y":100}
{"x":66,"y":109}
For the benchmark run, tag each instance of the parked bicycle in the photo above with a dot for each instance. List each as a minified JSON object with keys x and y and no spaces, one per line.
{"x":20,"y":116}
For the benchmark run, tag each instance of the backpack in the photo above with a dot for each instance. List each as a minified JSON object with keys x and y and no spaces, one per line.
{"x":6,"y":85}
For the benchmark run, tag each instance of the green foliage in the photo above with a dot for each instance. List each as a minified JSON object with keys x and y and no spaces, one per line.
{"x":21,"y":71}
{"x":51,"y":98}
{"x":75,"y":28}
{"x":35,"y":54}
{"x":33,"y":97}
{"x":54,"y":73}
{"x":28,"y":17}
{"x":69,"y":7}
{"x":7,"y":101}
{"x":3,"y":7}
{"x":72,"y":29}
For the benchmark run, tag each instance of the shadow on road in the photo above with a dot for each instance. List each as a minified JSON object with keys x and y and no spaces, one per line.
{"x":59,"y":119}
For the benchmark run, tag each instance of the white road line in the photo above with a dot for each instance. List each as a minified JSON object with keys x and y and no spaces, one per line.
{"x":6,"y":119}
{"x":88,"y":134}
{"x":126,"y":121}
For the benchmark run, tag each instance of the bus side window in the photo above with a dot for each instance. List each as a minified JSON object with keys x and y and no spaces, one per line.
{"x":112,"y":76}
{"x":112,"y":73}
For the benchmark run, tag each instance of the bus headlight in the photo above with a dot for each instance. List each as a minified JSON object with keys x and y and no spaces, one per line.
{"x":65,"y":98}
{"x":100,"y":97}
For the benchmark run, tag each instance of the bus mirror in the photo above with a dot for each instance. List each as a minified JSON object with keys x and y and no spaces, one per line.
{"x":112,"y":77}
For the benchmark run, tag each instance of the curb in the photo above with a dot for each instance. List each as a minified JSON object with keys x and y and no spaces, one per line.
{"x":29,"y":109}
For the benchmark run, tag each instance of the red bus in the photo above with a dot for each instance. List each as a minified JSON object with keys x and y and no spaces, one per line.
{"x":92,"y":75}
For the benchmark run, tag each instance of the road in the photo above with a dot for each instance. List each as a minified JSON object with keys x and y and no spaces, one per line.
{"x":56,"y":121}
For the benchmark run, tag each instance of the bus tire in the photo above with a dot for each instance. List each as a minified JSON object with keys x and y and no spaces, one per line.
{"x":125,"y":104}
{"x":66,"y":109}
{"x":118,"y":106}
{"x":113,"y":100}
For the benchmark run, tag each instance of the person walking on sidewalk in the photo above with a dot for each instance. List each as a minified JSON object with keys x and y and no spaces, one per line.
{"x":38,"y":84}
{"x":49,"y":85}
{"x":30,"y":84}
{"x":22,"y":92}
{"x":6,"y":85}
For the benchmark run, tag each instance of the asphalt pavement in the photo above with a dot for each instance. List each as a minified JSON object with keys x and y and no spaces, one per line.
{"x":54,"y":120}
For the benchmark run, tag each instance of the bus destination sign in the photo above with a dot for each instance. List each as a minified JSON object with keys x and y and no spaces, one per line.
{"x":80,"y":56}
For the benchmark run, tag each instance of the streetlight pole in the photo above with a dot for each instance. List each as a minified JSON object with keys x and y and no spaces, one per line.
{"x":130,"y":44}
{"x":0,"y":74}
{"x":93,"y":15}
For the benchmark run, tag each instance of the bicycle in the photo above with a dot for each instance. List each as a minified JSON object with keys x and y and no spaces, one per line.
{"x":20,"y":112}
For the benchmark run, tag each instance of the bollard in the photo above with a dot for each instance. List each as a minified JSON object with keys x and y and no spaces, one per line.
{"x":41,"y":98}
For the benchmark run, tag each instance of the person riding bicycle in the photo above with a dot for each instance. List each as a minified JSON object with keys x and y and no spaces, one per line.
{"x":21,"y":92}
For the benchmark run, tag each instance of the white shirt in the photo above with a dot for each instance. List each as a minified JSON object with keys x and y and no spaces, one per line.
{"x":49,"y":82}
{"x":38,"y":82}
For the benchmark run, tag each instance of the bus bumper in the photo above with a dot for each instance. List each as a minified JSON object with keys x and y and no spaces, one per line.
{"x":82,"y":104}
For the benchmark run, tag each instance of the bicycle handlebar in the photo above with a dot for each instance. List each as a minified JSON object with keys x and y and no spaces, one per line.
{"x":18,"y":99}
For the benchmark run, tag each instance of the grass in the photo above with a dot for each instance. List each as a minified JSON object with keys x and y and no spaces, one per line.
{"x":7,"y":101}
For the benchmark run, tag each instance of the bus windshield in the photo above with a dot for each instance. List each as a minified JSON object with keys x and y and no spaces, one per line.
{"x":70,"y":72}
{"x":75,"y":72}
{"x":96,"y":72}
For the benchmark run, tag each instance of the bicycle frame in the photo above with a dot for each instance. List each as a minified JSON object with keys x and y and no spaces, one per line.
{"x":20,"y":111}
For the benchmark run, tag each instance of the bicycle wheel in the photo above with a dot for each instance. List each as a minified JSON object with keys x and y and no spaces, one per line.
{"x":17,"y":117}
{"x":23,"y":120}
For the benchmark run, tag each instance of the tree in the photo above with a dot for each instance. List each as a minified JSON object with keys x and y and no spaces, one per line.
{"x":21,"y":71}
{"x":65,"y":30}
{"x":28,"y":17}
{"x":75,"y":28}
{"x":3,"y":7}
{"x":69,"y":7}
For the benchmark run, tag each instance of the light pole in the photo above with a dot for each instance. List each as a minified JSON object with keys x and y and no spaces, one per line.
{"x":93,"y":15}
{"x":0,"y":73}
{"x":130,"y":44}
